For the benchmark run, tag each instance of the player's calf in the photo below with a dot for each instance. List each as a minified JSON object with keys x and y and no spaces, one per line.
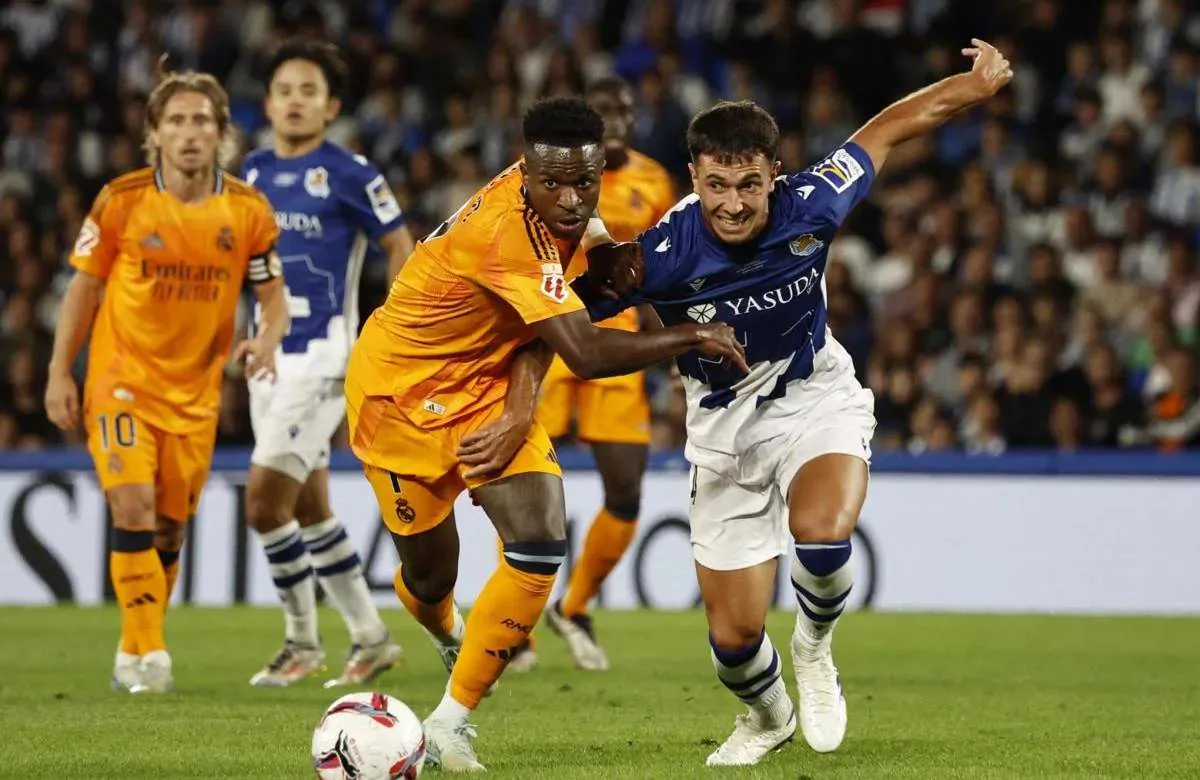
{"x":139,"y":582}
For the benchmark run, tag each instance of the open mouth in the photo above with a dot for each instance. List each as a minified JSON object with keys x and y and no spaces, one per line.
{"x":294,"y":116}
{"x":732,"y":223}
{"x":569,"y":224}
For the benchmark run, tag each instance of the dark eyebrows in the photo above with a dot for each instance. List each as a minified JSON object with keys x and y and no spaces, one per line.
{"x":750,"y":178}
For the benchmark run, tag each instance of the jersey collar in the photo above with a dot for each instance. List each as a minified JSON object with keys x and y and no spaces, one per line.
{"x":218,"y":180}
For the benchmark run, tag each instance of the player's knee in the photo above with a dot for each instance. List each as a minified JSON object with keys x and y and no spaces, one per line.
{"x":132,"y":507}
{"x":828,"y":523}
{"x":429,"y":583}
{"x":263,"y":513}
{"x":624,"y":504}
{"x":169,"y":535}
{"x":733,"y":633}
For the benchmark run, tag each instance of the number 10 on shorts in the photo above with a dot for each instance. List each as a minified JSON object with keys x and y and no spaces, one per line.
{"x":120,"y":429}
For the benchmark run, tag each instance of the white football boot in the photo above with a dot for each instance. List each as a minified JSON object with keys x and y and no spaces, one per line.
{"x":822,"y":703}
{"x":156,"y":674}
{"x":448,"y":745}
{"x":580,"y":636}
{"x":367,"y":663}
{"x":127,"y":671}
{"x":752,"y":739}
{"x":292,"y":663}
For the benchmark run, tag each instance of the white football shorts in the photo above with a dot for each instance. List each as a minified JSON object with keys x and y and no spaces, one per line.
{"x":294,"y":419}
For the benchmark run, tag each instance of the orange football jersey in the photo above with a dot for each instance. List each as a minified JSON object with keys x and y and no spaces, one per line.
{"x":442,"y":343}
{"x":174,"y":274}
{"x":633,"y":199}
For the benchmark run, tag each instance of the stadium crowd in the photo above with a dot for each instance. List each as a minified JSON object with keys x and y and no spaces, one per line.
{"x":1024,"y":278}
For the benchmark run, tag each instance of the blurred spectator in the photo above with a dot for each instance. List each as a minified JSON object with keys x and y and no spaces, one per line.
{"x":1024,"y":277}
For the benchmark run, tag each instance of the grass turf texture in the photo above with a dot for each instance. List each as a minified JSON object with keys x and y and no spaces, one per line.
{"x":929,"y":696}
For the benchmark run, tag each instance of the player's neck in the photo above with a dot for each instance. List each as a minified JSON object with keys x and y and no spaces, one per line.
{"x":193,"y":187}
{"x":285,"y":148}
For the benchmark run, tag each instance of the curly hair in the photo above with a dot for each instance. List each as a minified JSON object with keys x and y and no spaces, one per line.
{"x":563,"y":121}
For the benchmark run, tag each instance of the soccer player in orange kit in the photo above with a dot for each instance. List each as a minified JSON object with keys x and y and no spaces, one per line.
{"x":161,"y":260}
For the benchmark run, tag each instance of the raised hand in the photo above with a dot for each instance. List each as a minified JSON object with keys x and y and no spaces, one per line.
{"x":990,"y":68}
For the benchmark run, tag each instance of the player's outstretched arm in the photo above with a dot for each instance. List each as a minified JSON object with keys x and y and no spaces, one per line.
{"x":926,"y":109}
{"x":488,"y":450}
{"x":593,"y":352}
{"x":75,"y":318}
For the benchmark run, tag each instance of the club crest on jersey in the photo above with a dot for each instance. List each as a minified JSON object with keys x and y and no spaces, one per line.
{"x":702,"y":312}
{"x":840,"y":170}
{"x":225,"y":239}
{"x":316,"y":182}
{"x":554,"y":284}
{"x":805,"y":245}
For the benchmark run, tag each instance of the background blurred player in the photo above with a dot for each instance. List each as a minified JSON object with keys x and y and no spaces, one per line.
{"x":328,"y":205}
{"x":161,"y":261}
{"x":787,"y":447}
{"x":433,"y":364}
{"x":612,"y":414}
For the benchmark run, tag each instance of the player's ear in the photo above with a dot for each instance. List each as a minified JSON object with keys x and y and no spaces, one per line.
{"x":334,"y":108}
{"x":524,"y":170}
{"x":695,"y":178}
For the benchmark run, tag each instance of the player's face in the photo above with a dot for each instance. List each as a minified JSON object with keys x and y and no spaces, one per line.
{"x":733,"y":194}
{"x":615,"y":106}
{"x":298,"y":102}
{"x":564,"y":185}
{"x":188,"y":132}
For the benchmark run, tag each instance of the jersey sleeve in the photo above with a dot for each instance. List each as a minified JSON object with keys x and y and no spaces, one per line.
{"x":98,"y":242}
{"x":364,"y":193}
{"x":828,"y":191}
{"x":523,"y":268}
{"x":264,"y":264}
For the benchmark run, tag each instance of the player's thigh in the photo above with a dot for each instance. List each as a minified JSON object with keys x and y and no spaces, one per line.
{"x":312,"y":505}
{"x":614,"y":410}
{"x":125,"y":451}
{"x":293,"y":423}
{"x":556,"y":399}
{"x":735,"y":526}
{"x":826,"y":496}
{"x":525,"y":501}
{"x":184,"y":463}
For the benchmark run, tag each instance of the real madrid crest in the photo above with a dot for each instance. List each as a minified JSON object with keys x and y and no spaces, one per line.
{"x":805,"y":245}
{"x":316,"y":182}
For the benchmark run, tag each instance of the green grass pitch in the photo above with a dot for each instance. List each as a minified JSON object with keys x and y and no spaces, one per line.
{"x":929,"y":697}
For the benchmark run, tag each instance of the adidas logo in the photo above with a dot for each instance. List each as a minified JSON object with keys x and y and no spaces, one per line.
{"x":506,"y":654}
{"x":141,"y":601}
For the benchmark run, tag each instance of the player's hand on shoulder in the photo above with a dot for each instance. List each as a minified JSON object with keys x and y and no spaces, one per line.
{"x":616,"y":269}
{"x":490,"y":449}
{"x":259,"y":358}
{"x":62,"y":400}
{"x":990,"y":69}
{"x":719,"y":341}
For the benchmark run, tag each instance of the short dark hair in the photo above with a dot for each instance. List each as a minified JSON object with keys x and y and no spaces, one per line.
{"x":607,"y":84}
{"x":325,"y":56}
{"x":563,"y":121}
{"x":733,"y":131}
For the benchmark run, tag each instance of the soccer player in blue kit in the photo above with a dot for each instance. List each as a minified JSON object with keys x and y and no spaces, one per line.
{"x":328,"y":205}
{"x":780,"y":455}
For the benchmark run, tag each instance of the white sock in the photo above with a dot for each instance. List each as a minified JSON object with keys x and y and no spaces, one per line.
{"x":337,"y":565}
{"x":291,"y":569}
{"x":754,"y":674}
{"x":822,"y":578}
{"x":449,"y":710}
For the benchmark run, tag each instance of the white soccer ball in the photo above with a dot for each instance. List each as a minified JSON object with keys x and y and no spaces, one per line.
{"x":368,"y":736}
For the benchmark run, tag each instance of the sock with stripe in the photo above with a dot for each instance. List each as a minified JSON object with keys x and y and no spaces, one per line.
{"x":500,"y":556}
{"x":822,"y":579}
{"x":141,"y":590}
{"x":754,"y":674}
{"x":291,"y":570}
{"x":502,"y":618}
{"x":607,"y":539}
{"x":436,"y":617}
{"x":339,"y":569}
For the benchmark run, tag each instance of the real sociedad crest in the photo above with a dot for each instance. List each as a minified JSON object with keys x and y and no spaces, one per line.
{"x":805,"y":245}
{"x":316,"y":182}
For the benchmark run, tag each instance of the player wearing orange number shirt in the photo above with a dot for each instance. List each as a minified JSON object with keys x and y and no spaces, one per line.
{"x":611,"y":414}
{"x":436,"y":379}
{"x":161,"y":261}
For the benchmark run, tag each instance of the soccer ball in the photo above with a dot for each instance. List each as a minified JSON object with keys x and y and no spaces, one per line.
{"x":368,"y":736}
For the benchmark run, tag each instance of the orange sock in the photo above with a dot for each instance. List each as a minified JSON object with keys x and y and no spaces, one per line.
{"x":606,"y":542}
{"x":170,"y":562}
{"x":503,"y":616}
{"x":437,"y":618}
{"x":500,"y":549}
{"x":141,"y":589}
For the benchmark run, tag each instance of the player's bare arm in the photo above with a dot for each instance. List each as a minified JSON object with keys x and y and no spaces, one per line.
{"x":259,"y":352}
{"x":75,"y":318}
{"x":926,"y":109}
{"x":593,"y":352}
{"x":488,"y":450}
{"x":399,"y":245}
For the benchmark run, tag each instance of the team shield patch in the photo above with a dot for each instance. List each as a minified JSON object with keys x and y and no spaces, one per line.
{"x":554,"y":284}
{"x":805,"y":245}
{"x":316,"y":182}
{"x":89,"y":236}
{"x":840,"y":170}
